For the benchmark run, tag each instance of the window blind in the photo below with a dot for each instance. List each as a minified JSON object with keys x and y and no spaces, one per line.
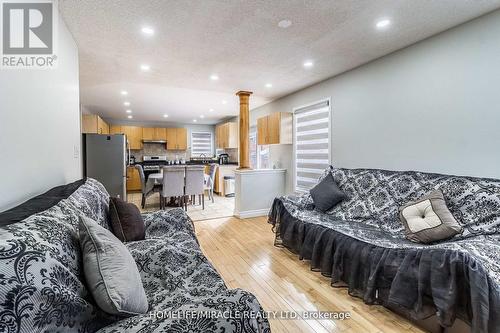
{"x":201,"y":143}
{"x":312,"y":146}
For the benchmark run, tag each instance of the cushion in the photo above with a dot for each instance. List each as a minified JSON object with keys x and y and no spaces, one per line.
{"x":429,"y":219}
{"x":326,"y":194}
{"x":39,"y":203}
{"x":126,"y":220}
{"x":110,"y":271}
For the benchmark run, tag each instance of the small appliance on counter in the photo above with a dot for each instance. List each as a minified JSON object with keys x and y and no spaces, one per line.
{"x":223,"y":159}
{"x":131,"y":160}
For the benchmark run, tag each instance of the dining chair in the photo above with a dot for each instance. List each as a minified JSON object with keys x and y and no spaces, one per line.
{"x":147,"y":186}
{"x":195,"y":183}
{"x":210,"y":180}
{"x":173,"y":185}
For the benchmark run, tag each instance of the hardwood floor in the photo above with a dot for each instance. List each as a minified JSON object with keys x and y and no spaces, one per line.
{"x":243,"y":253}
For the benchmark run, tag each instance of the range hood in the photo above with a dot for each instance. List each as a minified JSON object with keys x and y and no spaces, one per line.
{"x":155,"y":141}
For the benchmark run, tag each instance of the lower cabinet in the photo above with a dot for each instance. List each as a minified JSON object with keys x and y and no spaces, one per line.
{"x":133,"y":179}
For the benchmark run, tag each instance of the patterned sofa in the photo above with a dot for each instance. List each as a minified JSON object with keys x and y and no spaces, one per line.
{"x":42,"y":286}
{"x":360,"y":244}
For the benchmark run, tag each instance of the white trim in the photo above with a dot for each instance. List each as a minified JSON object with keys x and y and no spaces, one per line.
{"x":252,"y":213}
{"x":294,"y":144}
{"x":259,"y":171}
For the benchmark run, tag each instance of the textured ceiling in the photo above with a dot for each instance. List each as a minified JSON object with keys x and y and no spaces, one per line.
{"x":241,"y":42}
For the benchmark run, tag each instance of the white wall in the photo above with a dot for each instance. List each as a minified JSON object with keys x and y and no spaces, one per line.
{"x":434,"y":106}
{"x":40,"y":126}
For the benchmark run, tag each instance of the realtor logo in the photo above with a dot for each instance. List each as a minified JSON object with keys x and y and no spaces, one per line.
{"x":28,"y":33}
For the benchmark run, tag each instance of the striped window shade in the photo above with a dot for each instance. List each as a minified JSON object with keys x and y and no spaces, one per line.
{"x":311,"y":144}
{"x":201,"y":143}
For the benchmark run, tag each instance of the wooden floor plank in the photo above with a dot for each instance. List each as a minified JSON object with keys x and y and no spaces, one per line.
{"x":243,"y":253}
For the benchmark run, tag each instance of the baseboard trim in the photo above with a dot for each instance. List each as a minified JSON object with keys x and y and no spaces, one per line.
{"x":252,"y":213}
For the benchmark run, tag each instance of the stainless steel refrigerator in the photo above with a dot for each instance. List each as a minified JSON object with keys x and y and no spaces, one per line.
{"x":105,"y":159}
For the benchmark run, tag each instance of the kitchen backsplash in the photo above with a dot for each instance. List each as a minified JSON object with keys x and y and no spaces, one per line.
{"x":156,"y":149}
{"x":233,"y":154}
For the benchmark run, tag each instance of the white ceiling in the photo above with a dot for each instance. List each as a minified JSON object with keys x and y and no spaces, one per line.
{"x":241,"y":42}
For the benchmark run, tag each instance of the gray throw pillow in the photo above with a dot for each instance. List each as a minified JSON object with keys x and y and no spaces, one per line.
{"x":428,"y":219}
{"x":110,"y":271}
{"x":326,"y":194}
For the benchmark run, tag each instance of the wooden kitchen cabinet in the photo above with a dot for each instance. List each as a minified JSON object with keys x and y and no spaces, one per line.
{"x":160,"y":133}
{"x":115,"y":129}
{"x":92,"y":123}
{"x":275,"y":129}
{"x":134,"y":135}
{"x":176,"y":138}
{"x":226,"y":135}
{"x":150,"y":133}
{"x":133,"y":179}
{"x":262,"y":130}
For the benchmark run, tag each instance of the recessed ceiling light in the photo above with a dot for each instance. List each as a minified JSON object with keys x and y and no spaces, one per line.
{"x":165,"y":116}
{"x":129,"y":111}
{"x":129,"y":117}
{"x":308,"y":64}
{"x":124,"y":93}
{"x":194,"y":120}
{"x":269,"y":85}
{"x":148,"y":31}
{"x":126,"y":103}
{"x":284,"y":24}
{"x":202,"y":116}
{"x":224,"y":102}
{"x":145,"y":67}
{"x":214,"y":77}
{"x":383,"y":23}
{"x":211,"y":110}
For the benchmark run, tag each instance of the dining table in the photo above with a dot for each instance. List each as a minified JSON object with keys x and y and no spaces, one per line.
{"x":157,"y":178}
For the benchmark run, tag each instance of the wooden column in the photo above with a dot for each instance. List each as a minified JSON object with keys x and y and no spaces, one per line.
{"x":244,"y":129}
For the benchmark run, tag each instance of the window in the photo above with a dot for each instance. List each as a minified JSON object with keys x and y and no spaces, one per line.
{"x":263,"y":157}
{"x":259,"y":155}
{"x":311,"y":143}
{"x":201,"y":143}
{"x":253,"y":147}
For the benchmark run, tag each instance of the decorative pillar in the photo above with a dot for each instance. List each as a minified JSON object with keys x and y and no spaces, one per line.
{"x":244,"y":129}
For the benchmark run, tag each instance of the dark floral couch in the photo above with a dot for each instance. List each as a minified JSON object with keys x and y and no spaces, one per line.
{"x":360,"y":244}
{"x":42,"y":285}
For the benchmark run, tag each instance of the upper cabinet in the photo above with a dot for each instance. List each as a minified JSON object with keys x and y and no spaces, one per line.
{"x":176,"y":138}
{"x":154,"y":134}
{"x":92,"y":123}
{"x":226,"y":135}
{"x":133,"y":133}
{"x":275,"y":129}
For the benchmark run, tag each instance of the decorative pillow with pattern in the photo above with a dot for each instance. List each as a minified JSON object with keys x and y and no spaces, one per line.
{"x":428,"y":219}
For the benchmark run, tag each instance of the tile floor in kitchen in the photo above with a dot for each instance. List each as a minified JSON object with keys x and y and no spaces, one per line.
{"x":221,"y":207}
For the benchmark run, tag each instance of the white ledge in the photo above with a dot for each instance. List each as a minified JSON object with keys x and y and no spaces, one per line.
{"x":259,"y":171}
